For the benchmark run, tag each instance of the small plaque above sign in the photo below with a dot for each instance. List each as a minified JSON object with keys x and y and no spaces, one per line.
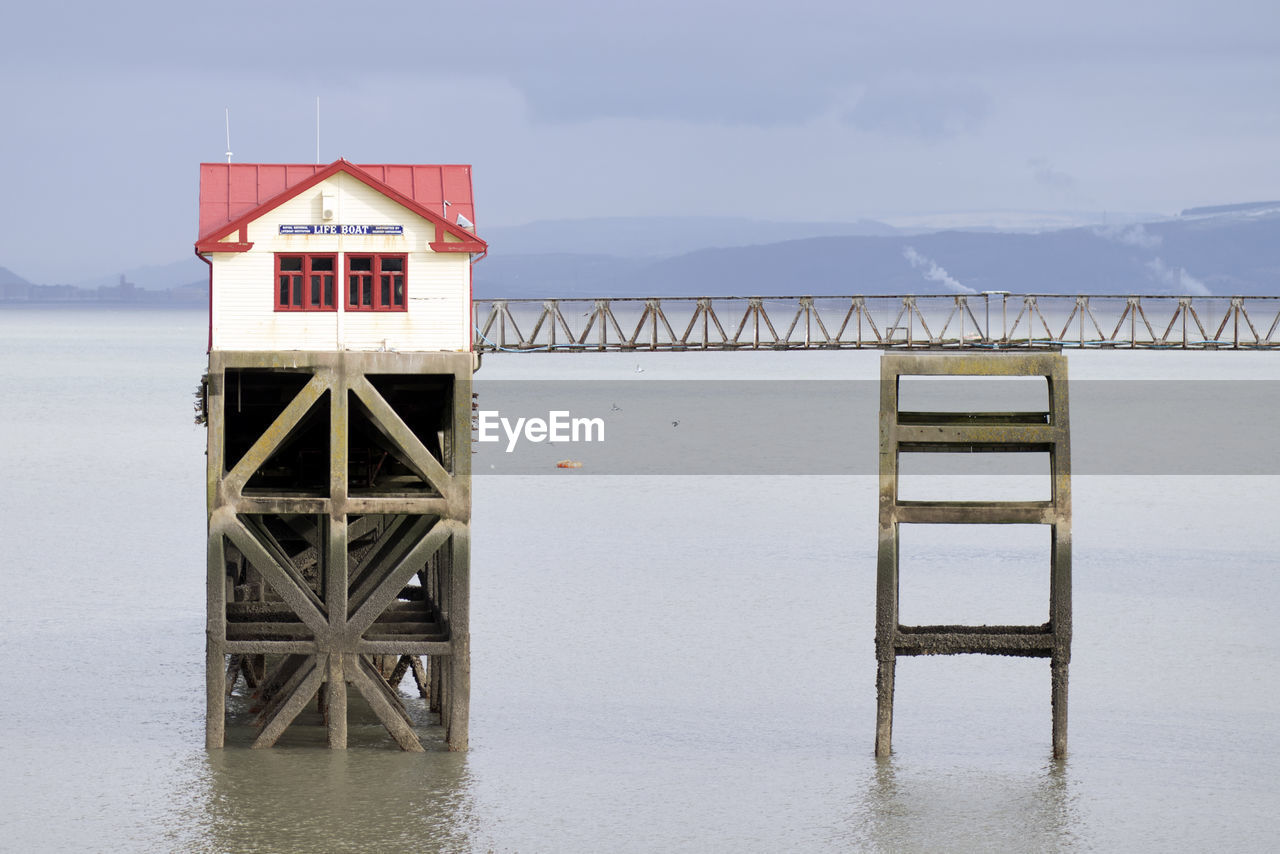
{"x":342,"y":229}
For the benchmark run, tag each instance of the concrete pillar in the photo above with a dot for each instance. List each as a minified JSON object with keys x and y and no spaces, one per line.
{"x":974,"y":432}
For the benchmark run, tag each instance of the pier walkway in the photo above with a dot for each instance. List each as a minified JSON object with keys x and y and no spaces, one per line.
{"x":993,"y":320}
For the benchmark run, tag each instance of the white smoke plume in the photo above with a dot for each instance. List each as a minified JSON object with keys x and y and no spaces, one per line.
{"x":1177,"y":279}
{"x":933,"y":272}
{"x":1133,"y":235}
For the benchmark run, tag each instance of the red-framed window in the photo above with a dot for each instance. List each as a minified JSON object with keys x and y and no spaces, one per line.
{"x":377,"y":282}
{"x":306,"y":282}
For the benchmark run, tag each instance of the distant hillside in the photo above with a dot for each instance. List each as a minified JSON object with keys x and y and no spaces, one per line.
{"x":181,"y":283}
{"x":1232,"y":253}
{"x":155,"y":277}
{"x":194,"y":294}
{"x":8,"y":277}
{"x":662,"y":237}
{"x":12,"y":283}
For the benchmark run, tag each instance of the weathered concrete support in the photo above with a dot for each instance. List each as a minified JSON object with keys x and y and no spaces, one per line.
{"x":398,"y":671}
{"x":215,"y":638}
{"x":1047,"y":431}
{"x":295,"y":695}
{"x":1058,"y":700}
{"x":334,"y":515}
{"x":459,"y":688}
{"x":884,"y":705}
{"x":420,"y":677}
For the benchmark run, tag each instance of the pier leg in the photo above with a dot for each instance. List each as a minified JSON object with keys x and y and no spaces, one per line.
{"x":459,"y":672}
{"x":215,"y":716}
{"x":233,"y":673}
{"x":336,"y":571}
{"x":435,"y":666}
{"x":1058,"y":674}
{"x":335,"y":593}
{"x":398,"y":671}
{"x":884,"y":707}
{"x":886,"y":561}
{"x":336,"y":702}
{"x":420,"y":677}
{"x":1060,"y":615}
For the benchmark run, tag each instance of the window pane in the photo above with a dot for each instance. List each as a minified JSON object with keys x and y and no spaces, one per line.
{"x":367,"y":283}
{"x":292,"y":263}
{"x":328,"y":291}
{"x":297,"y":291}
{"x":322,"y":265}
{"x":315,"y":290}
{"x":284,"y":290}
{"x":353,"y":295}
{"x":386,"y":290}
{"x":392,"y":265}
{"x":361,"y":264}
{"x":399,"y":292}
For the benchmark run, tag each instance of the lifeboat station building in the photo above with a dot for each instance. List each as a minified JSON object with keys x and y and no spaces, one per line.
{"x":338,"y":257}
{"x":338,"y":402}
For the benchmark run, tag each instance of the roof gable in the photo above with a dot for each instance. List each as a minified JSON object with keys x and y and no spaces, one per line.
{"x":234,"y":194}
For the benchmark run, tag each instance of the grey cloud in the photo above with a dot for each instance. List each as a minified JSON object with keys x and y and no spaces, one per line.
{"x":1045,"y":174}
{"x":920,"y":111}
{"x":708,"y":61}
{"x":575,"y":95}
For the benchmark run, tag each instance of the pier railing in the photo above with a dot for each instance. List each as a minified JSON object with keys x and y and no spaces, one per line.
{"x":954,"y":321}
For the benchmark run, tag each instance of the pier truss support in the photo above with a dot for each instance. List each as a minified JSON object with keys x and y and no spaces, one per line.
{"x":915,"y":432}
{"x":1047,"y":322}
{"x":339,"y":496}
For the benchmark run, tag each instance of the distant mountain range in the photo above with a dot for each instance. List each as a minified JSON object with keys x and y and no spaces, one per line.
{"x":663,"y":237}
{"x":1223,"y":250}
{"x":188,"y":271}
{"x":1229,"y":250}
{"x":15,"y":289}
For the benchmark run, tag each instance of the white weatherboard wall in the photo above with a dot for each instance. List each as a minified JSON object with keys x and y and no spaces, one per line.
{"x":438,"y":283}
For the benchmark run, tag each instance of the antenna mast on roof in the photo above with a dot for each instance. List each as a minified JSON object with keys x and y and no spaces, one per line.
{"x":317,"y":130}
{"x":228,"y":116}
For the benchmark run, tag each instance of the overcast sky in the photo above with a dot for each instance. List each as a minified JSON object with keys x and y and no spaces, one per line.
{"x":807,"y":110}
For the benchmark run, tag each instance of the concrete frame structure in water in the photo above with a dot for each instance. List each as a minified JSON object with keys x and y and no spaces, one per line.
{"x":347,"y":577}
{"x":974,"y":432}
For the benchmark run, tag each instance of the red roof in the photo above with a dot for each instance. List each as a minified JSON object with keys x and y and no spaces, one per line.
{"x":230,"y":191}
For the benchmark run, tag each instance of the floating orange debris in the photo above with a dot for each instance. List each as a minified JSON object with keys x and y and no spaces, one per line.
{"x":569,"y":464}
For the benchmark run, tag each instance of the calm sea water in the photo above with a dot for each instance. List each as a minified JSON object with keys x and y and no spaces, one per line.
{"x":660,"y":663}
